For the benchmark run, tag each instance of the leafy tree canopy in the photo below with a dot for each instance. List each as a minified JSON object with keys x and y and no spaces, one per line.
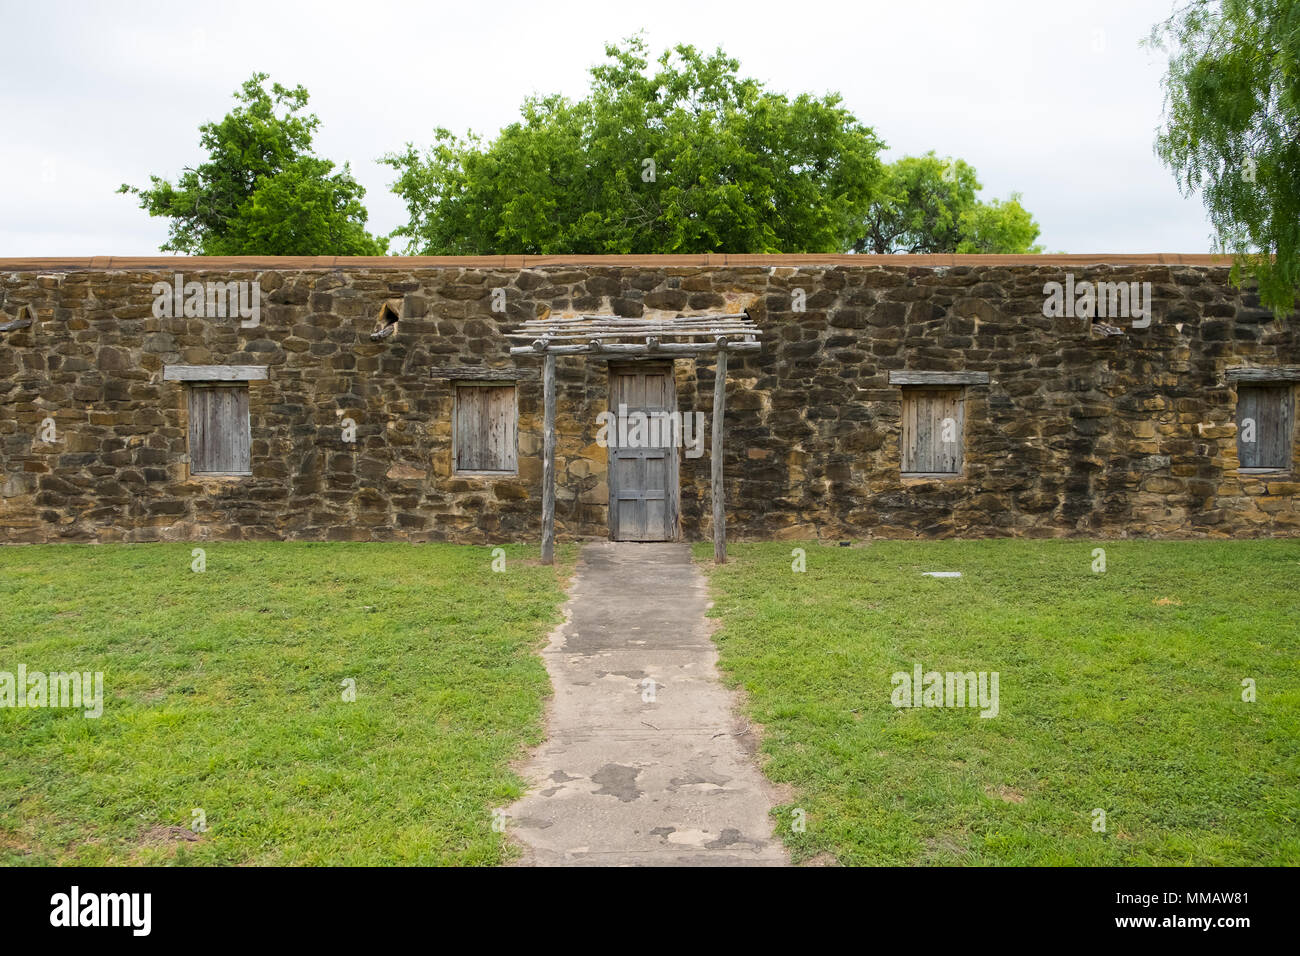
{"x":1232,"y":130}
{"x":681,"y":156}
{"x":998,"y":226}
{"x":261,"y":191}
{"x":929,"y":204}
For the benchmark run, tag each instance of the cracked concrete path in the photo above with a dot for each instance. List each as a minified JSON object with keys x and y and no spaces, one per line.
{"x":644,"y":762}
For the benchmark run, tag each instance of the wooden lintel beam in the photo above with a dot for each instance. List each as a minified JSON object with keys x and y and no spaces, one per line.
{"x":909,"y":377}
{"x":667,"y":350}
{"x":214,"y":373}
{"x":549,"y":349}
{"x":1278,"y":374}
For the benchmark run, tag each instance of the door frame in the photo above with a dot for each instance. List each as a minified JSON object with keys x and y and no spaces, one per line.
{"x":672,"y":494}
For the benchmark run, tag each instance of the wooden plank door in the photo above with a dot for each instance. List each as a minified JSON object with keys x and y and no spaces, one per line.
{"x":643,"y":485}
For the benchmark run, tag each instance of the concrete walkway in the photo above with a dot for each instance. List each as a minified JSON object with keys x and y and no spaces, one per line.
{"x":644,"y":763}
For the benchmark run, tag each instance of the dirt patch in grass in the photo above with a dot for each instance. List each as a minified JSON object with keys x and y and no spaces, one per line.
{"x":821,"y":859}
{"x":1005,"y":793}
{"x":946,"y":847}
{"x":161,"y":844}
{"x":12,"y":843}
{"x":161,"y":836}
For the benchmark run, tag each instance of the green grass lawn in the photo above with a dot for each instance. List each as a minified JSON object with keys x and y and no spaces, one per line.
{"x":224,"y":692}
{"x":1119,"y":690}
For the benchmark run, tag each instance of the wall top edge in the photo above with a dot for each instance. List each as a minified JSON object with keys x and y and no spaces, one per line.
{"x":708,"y":260}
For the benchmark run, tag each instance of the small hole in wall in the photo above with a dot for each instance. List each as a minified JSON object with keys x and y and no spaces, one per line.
{"x":26,"y":317}
{"x":389,"y":315}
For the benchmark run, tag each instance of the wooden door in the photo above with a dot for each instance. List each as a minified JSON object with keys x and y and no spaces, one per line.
{"x":643,"y":484}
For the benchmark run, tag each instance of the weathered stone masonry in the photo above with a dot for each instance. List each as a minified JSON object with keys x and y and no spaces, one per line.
{"x":1076,"y":433}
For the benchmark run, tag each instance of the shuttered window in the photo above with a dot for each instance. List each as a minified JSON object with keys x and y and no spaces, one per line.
{"x":1265,"y":420}
{"x":484,"y":432}
{"x":219,"y":430}
{"x":932,"y":431}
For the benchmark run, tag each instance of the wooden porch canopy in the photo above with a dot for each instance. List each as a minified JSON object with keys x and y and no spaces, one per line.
{"x":682,"y":336}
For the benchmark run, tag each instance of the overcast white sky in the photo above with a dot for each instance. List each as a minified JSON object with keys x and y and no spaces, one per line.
{"x":1054,"y":99}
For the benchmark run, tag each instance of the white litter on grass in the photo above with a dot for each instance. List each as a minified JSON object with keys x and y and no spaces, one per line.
{"x":942,"y":574}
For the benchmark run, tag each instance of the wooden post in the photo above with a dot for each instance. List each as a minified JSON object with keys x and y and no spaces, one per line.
{"x":719,"y":407}
{"x":548,"y":459}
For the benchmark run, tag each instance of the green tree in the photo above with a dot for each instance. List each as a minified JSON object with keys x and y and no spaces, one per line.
{"x":1232,"y":131}
{"x":929,"y":204}
{"x":683,"y":156}
{"x":998,"y":226}
{"x":261,"y":191}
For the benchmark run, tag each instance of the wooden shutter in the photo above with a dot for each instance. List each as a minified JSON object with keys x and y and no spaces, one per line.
{"x":219,"y":430}
{"x":929,"y":416}
{"x":485,"y":428}
{"x":1272,"y":409}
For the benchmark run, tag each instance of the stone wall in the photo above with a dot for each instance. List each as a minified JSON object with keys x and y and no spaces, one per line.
{"x":1077,"y":433}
